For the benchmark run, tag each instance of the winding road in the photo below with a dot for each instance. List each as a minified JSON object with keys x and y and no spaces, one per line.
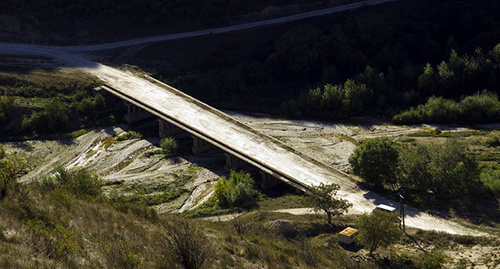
{"x":220,"y":127}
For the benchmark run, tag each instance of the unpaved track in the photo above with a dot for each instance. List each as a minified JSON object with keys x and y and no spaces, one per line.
{"x":244,"y":139}
{"x":221,"y":30}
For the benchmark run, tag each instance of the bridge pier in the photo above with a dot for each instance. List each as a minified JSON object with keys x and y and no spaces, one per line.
{"x":268,"y":181}
{"x":166,"y":129}
{"x":200,"y":145}
{"x":135,"y":113}
{"x":233,"y":162}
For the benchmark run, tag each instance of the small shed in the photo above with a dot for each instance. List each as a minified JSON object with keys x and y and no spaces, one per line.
{"x":347,"y":236}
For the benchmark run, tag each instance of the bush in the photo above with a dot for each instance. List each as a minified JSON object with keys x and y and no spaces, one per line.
{"x":129,"y":135}
{"x":480,"y":107}
{"x":54,"y":117}
{"x":237,"y":191}
{"x":11,"y":168}
{"x":3,"y":154}
{"x":490,"y":177}
{"x":82,"y":183}
{"x":187,"y":245}
{"x":7,"y":107}
{"x":376,"y":161}
{"x":169,"y":146}
{"x":91,"y":105}
{"x":333,"y":101}
{"x":493,"y":141}
{"x":432,"y":260}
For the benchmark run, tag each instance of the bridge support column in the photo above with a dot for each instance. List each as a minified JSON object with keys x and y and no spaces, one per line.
{"x":233,"y":162}
{"x":167,"y":129}
{"x":135,"y":113}
{"x":268,"y":181}
{"x":200,"y":145}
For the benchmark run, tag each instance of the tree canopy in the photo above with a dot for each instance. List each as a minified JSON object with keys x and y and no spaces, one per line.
{"x":322,"y":198}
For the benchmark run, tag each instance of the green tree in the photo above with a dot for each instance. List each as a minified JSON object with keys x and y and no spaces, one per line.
{"x":414,"y":167}
{"x":376,"y":161}
{"x":322,"y":198}
{"x":378,"y":229}
{"x":452,"y":170}
{"x":237,"y":191}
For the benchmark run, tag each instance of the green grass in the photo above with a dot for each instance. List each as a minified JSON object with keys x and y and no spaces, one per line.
{"x":439,"y":133}
{"x":208,"y":209}
{"x":283,"y":202}
{"x":154,"y":199}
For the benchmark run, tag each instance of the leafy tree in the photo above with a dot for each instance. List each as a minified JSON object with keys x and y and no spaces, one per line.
{"x":322,"y":198}
{"x":378,"y":229}
{"x":237,"y":191}
{"x":414,"y":167}
{"x":376,"y":161}
{"x":452,"y":170}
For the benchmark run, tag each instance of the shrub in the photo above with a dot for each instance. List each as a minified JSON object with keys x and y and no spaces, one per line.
{"x":375,"y":160}
{"x":337,"y":101}
{"x":432,"y":260}
{"x":81,"y":183}
{"x":3,"y":154}
{"x":169,"y":146}
{"x":11,"y":168}
{"x":490,"y":177}
{"x":129,"y":135}
{"x":480,"y":107}
{"x":51,"y":239}
{"x":54,"y":117}
{"x":7,"y":107}
{"x":187,"y":245}
{"x":493,"y":141}
{"x":237,"y":191}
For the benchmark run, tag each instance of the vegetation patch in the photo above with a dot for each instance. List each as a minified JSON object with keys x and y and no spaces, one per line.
{"x":129,"y":136}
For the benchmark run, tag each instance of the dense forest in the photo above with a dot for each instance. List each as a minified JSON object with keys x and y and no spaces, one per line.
{"x":394,"y":57}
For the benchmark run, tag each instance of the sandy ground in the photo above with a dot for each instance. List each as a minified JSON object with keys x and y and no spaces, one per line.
{"x":331,"y":143}
{"x":120,"y":161}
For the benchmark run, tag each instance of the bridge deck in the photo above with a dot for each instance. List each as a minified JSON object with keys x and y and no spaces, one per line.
{"x":216,"y":127}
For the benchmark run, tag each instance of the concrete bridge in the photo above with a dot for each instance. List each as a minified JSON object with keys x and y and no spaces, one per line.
{"x":177,"y":112}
